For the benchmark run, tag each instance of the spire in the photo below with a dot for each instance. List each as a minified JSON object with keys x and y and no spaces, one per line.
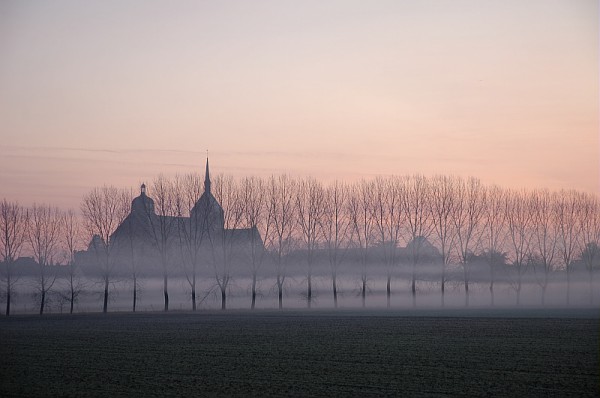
{"x":143,"y":189}
{"x":207,"y":178}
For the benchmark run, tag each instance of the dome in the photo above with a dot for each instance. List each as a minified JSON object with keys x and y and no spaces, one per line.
{"x":142,"y":204}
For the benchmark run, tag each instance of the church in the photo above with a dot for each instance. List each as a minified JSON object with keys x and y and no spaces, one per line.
{"x":150,"y":243}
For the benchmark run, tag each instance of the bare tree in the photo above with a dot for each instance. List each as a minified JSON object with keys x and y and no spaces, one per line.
{"x":43,"y":234}
{"x":71,"y":231}
{"x":494,"y":231}
{"x":135,"y":257}
{"x":545,"y":236}
{"x":191,"y":227}
{"x":388,"y":219}
{"x":468,"y":213}
{"x":103,"y":210}
{"x":281,"y":200}
{"x":336,"y":228}
{"x":310,"y":208}
{"x":133,"y":240}
{"x":519,"y":218}
{"x":13,"y":233}
{"x":417,"y":209}
{"x":589,"y":228}
{"x":256,"y":214}
{"x":226,"y":243}
{"x":164,"y":224}
{"x":568,"y":208}
{"x":443,"y":197}
{"x":360,"y":212}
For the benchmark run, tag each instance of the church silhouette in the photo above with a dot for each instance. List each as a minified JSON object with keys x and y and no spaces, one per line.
{"x":153,"y":243}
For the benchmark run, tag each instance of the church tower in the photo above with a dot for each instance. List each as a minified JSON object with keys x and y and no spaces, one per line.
{"x":207,"y":212}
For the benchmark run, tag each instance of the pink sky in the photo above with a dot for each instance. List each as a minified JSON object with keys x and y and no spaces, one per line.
{"x":117,"y":92}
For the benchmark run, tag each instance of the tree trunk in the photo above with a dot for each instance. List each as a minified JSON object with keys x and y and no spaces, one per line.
{"x":334,"y":283}
{"x":309,"y":292}
{"x":43,"y":300}
{"x":591,"y":286}
{"x":413,"y":287}
{"x":466,"y":285}
{"x":519,"y":286}
{"x":280,"y":296}
{"x":253,"y":290}
{"x":388,"y":290}
{"x":492,"y":277}
{"x":72,"y":291}
{"x":364,"y":290}
{"x":568,"y":287}
{"x":134,"y":292}
{"x":8,"y":285}
{"x":223,"y":298}
{"x":105,"y":305}
{"x":194,"y":291}
{"x":166,"y":292}
{"x":544,"y":296}
{"x":443,"y":283}
{"x":8,"y":302}
{"x":280,"y":290}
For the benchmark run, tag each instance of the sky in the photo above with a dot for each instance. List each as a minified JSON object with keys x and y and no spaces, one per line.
{"x":117,"y":92}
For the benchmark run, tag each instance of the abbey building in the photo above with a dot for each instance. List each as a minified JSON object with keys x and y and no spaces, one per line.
{"x":150,"y":243}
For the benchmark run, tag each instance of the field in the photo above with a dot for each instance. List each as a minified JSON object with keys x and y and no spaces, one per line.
{"x":299,"y":353}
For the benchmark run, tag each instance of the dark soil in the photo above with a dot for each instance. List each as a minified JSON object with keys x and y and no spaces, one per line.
{"x":297,"y":354}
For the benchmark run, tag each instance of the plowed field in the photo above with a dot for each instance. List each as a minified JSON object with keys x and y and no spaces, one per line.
{"x":299,"y":354}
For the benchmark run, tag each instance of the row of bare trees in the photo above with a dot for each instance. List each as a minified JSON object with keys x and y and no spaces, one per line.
{"x":50,"y":236}
{"x":537,"y":230}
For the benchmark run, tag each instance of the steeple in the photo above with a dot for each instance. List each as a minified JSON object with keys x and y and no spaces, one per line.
{"x":207,"y":212}
{"x":143,"y":189}
{"x":207,"y":178}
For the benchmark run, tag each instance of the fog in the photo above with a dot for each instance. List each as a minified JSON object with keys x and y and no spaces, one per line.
{"x":428,"y":296}
{"x":373,"y":244}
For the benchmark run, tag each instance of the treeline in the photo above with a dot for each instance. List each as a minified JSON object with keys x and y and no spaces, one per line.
{"x":391,"y":221}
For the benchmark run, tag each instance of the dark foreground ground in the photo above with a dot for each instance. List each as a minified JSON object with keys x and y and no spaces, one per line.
{"x":468,"y":353}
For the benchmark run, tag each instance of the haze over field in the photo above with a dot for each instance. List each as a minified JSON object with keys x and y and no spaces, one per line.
{"x":117,"y":92}
{"x":260,"y":243}
{"x":402,"y":198}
